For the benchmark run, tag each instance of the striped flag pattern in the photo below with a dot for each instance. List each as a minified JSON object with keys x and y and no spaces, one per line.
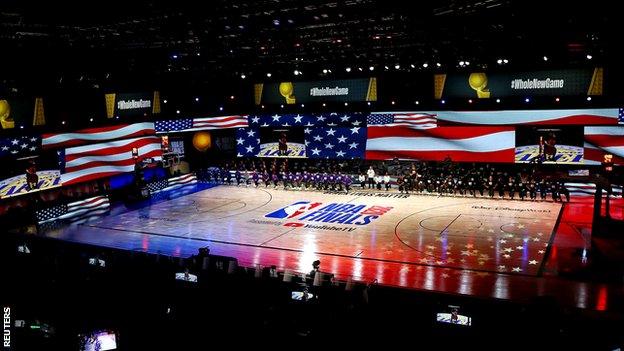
{"x":589,"y":189}
{"x":84,"y":163}
{"x":466,"y":144}
{"x":415,"y":120}
{"x":97,"y":135}
{"x":600,"y":116}
{"x":203,"y":123}
{"x":600,"y":141}
{"x":172,"y":183}
{"x":76,"y":212}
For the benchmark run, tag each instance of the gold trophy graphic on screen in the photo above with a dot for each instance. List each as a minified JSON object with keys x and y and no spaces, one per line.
{"x":478,"y":82}
{"x":287,"y":90}
{"x":5,"y":115}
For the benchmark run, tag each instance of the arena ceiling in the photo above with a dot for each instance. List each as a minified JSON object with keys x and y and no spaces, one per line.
{"x":257,"y":36}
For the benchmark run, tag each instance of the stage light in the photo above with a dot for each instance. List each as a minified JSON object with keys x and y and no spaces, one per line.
{"x":360,"y":69}
{"x":589,"y":57}
{"x":269,"y":75}
{"x":557,"y":99}
{"x":462,"y":63}
{"x":413,"y":66}
{"x":346,"y":104}
{"x":324,"y":71}
{"x":545,"y":58}
{"x":498,"y":101}
{"x":348,"y":69}
{"x":443,"y":101}
{"x":324,"y":104}
{"x":198,"y":54}
{"x":262,"y":106}
{"x":397,"y":66}
{"x":232,"y":97}
{"x":499,"y":61}
{"x":505,"y":61}
{"x":243,"y":76}
{"x":392,"y":102}
{"x":527,"y":100}
{"x":177,"y":112}
{"x":417,"y":102}
{"x":368,"y":103}
{"x":21,"y":127}
{"x":438,"y":64}
{"x":302,"y":105}
{"x":220,"y":108}
{"x":281,"y":106}
{"x":467,"y":63}
{"x":296,"y":72}
{"x":589,"y":98}
{"x":116,"y":117}
{"x":425,"y":65}
{"x":63,"y":123}
{"x":91,"y":119}
{"x":174,"y":56}
{"x":165,"y":101}
{"x":371,"y":68}
{"x":196,"y":99}
{"x":470,"y":101}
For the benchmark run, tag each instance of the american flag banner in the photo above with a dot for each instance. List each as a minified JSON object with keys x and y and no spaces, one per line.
{"x":589,"y":189}
{"x":308,"y":120}
{"x":600,"y":141}
{"x":97,"y":135}
{"x":172,"y":183}
{"x":598,"y":116}
{"x":247,"y":142}
{"x":467,"y":144}
{"x":621,"y":116}
{"x":76,"y":212}
{"x":335,"y":143}
{"x":84,"y":163}
{"x":20,"y":146}
{"x":203,"y":123}
{"x":414,"y":120}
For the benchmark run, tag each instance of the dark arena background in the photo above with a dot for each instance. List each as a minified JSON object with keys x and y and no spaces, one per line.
{"x":439,"y":174}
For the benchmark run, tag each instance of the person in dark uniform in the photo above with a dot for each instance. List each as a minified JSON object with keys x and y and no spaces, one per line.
{"x":255,"y":177}
{"x":522,"y":190}
{"x":511,"y":187}
{"x":543,"y":188}
{"x":266,"y":178}
{"x":32,"y":179}
{"x":563,"y":191}
{"x":532,"y":189}
{"x":554,"y":191}
{"x":500,"y":185}
{"x":282,"y":145}
{"x":490,"y":185}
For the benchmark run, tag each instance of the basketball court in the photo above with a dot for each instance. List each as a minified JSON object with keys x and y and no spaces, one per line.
{"x":464,"y":233}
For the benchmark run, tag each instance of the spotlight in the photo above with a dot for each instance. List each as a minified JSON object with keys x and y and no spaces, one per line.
{"x":177,"y":112}
{"x":413,"y":66}
{"x":281,"y":106}
{"x":196,"y":99}
{"x":116,"y":117}
{"x":371,"y":68}
{"x":63,"y":123}
{"x":232,"y":97}
{"x":91,"y":119}
{"x":470,"y":101}
{"x":243,"y":76}
{"x":324,"y":104}
{"x":499,"y":61}
{"x":262,"y":106}
{"x":462,"y":63}
{"x":269,"y":75}
{"x":392,"y":102}
{"x":386,"y":68}
{"x":296,"y":72}
{"x":438,"y":64}
{"x":557,"y":99}
{"x":545,"y":58}
{"x":589,"y":98}
{"x":360,"y":69}
{"x":165,"y":101}
{"x":348,"y":69}
{"x":527,"y":100}
{"x":346,"y":104}
{"x":467,"y":63}
{"x":589,"y":57}
{"x":302,"y":105}
{"x":21,"y":127}
{"x":425,"y":65}
{"x":443,"y":102}
{"x":324,"y":71}
{"x":498,"y":101}
{"x":220,"y":108}
{"x":417,"y":102}
{"x":397,"y":66}
{"x":368,"y":103}
{"x":198,"y":54}
{"x":505,"y":61}
{"x":174,"y":56}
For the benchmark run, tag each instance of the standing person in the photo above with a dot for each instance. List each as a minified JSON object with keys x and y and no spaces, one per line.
{"x":371,"y":177}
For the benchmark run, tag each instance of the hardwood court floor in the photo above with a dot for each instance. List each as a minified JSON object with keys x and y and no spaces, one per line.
{"x":462,"y":233}
{"x":472,"y":246}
